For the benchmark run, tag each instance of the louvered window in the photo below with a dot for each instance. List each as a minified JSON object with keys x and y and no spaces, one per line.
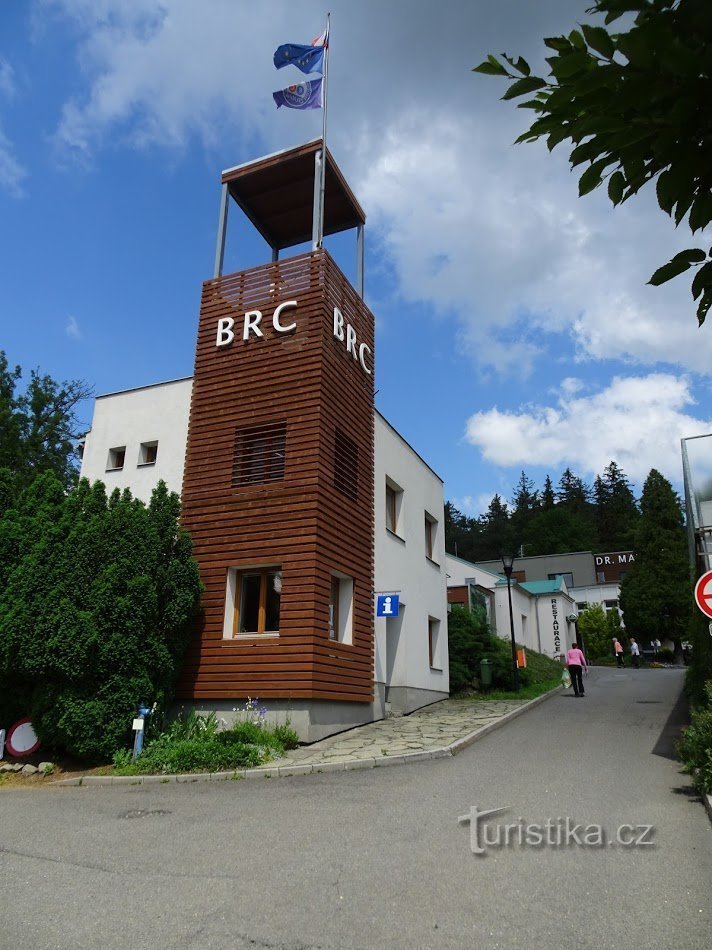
{"x":259,"y":454}
{"x":345,"y":465}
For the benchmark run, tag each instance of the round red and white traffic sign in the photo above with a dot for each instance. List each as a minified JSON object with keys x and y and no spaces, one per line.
{"x":22,"y":738}
{"x":703,"y":593}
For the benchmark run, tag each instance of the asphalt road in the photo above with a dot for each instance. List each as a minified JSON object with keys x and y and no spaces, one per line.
{"x":378,"y":858}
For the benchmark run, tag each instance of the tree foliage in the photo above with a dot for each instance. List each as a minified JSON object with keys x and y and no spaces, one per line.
{"x":39,"y":428}
{"x":97,"y":598}
{"x":656,"y":593}
{"x":549,"y":521}
{"x":635,"y":107}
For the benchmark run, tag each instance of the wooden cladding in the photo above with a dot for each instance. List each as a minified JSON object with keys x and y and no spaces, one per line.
{"x":346,"y":465}
{"x":279,"y":471}
{"x":259,"y":454}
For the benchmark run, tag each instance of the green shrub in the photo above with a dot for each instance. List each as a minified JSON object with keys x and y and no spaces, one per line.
{"x":287,"y":736}
{"x":197,"y":743}
{"x":107,"y":627}
{"x":204,"y":754}
{"x":695,"y":745}
{"x":471,"y":640}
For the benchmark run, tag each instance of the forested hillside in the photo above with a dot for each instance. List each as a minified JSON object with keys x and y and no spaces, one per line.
{"x":572,"y":516}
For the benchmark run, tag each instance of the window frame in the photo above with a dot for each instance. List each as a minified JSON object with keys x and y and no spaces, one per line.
{"x":341,"y":608}
{"x":113,"y":457}
{"x":431,"y":534}
{"x":433,"y":644}
{"x":145,"y":451}
{"x":394,"y":508}
{"x":260,"y":454}
{"x":239,"y":574}
{"x":334,"y":602}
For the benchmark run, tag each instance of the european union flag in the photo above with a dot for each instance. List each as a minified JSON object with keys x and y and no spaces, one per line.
{"x":307,"y":58}
{"x":300,"y":95}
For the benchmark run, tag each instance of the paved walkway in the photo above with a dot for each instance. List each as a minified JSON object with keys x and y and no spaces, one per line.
{"x":445,"y":728}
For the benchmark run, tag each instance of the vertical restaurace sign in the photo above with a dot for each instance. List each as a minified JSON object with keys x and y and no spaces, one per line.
{"x":555,"y":624}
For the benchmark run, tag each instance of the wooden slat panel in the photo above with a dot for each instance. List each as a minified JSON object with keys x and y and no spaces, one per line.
{"x":303,"y":524}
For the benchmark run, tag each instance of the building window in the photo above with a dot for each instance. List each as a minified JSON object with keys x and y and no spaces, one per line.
{"x":394,"y":505}
{"x":345,"y":465}
{"x":259,"y":454}
{"x":569,"y":578}
{"x":611,"y":604}
{"x":433,"y":645}
{"x":431,"y":529}
{"x":148,"y":453}
{"x":117,"y":457}
{"x":256,"y":598}
{"x":582,"y":606}
{"x":341,"y":597}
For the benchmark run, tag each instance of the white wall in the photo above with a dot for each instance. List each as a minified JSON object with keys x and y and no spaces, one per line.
{"x":401,"y":566}
{"x":555,"y":609}
{"x":596,"y":594}
{"x":524,"y":614}
{"x":149,"y":414}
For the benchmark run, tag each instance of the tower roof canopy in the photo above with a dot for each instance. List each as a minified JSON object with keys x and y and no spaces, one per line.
{"x":277,"y":194}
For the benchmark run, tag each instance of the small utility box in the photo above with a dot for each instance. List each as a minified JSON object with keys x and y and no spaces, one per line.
{"x":485,"y":672}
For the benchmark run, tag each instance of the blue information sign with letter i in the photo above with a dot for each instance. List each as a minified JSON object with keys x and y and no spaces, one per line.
{"x":387,"y":605}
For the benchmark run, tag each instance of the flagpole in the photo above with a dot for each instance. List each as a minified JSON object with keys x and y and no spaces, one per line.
{"x":322,"y":176}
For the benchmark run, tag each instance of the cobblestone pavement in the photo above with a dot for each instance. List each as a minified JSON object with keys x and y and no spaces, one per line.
{"x":439,"y":730}
{"x":426,"y":730}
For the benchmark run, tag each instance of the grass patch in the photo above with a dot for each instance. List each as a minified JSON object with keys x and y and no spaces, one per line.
{"x":531,"y":691}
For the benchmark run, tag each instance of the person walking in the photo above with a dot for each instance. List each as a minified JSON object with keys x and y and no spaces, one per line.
{"x":635,"y":653}
{"x":618,"y":650}
{"x":576,"y":663}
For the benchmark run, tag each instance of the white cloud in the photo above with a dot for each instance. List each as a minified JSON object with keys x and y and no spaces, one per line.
{"x":636,"y":421}
{"x":159,"y":74}
{"x":73,"y":330}
{"x":12,"y":173}
{"x":525,"y":256}
{"x":7,"y":80}
{"x":474,"y":506}
{"x":490,"y":235}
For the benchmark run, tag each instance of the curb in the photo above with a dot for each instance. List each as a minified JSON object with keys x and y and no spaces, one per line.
{"x":707,"y":800}
{"x":459,"y":744}
{"x":345,"y":765}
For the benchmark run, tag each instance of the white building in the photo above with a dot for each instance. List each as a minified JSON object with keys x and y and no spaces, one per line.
{"x":542,"y":611}
{"x":411,"y":650}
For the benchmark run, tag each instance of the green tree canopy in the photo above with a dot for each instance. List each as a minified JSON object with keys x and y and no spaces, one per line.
{"x":594,"y":632}
{"x":635,"y":105}
{"x":39,"y":428}
{"x":616,"y":511}
{"x":97,"y":598}
{"x":656,"y":593}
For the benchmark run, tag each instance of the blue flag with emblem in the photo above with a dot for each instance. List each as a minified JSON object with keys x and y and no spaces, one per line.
{"x":300,"y":95}
{"x":310,"y":59}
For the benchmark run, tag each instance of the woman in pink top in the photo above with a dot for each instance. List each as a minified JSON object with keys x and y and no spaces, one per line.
{"x":576,"y":662}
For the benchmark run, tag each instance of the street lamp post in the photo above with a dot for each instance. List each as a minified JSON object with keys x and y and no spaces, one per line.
{"x":508,"y":563}
{"x":573,"y":618}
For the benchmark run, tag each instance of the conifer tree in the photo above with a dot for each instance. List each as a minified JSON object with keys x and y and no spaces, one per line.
{"x":656,"y":593}
{"x":548,"y":496}
{"x":97,"y":597}
{"x":495,"y":531}
{"x":616,"y":513}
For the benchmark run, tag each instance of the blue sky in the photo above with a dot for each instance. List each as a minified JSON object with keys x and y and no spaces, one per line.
{"x":514,"y":326}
